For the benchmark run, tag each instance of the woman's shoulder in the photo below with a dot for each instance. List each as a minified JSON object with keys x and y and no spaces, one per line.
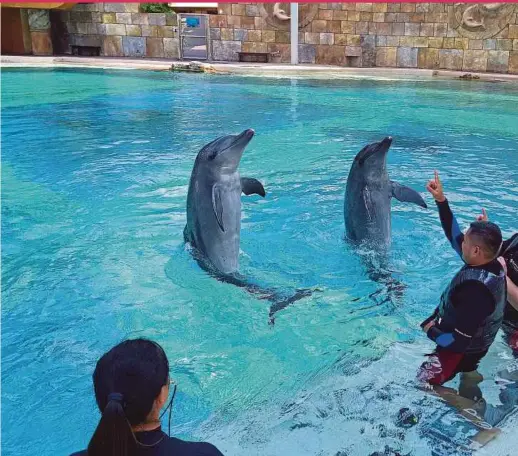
{"x":185,"y":448}
{"x":173,"y":446}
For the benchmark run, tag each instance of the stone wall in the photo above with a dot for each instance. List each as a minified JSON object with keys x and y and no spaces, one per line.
{"x":468,"y":37}
{"x":120,"y":30}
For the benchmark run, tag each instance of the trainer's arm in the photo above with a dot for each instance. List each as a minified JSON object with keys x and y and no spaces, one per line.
{"x":450,"y":226}
{"x":448,"y":221}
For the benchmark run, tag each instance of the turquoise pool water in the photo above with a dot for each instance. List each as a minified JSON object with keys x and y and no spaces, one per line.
{"x":95,"y":170}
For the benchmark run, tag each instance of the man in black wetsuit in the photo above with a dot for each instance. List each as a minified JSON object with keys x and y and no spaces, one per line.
{"x":471,"y":308}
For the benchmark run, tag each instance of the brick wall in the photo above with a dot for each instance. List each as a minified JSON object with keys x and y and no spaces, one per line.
{"x":406,"y":35}
{"x":120,"y":30}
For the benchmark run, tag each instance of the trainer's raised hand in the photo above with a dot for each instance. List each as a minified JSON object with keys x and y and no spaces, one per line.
{"x":482,"y":217}
{"x":434,"y":186}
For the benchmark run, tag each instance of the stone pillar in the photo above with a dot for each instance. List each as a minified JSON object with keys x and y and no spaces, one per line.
{"x":39,"y":26}
{"x":27,"y":39}
{"x":294,"y":27}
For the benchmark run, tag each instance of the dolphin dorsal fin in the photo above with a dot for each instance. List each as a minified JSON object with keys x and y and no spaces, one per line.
{"x":406,"y":194}
{"x":250,"y":186}
{"x":217,"y":205}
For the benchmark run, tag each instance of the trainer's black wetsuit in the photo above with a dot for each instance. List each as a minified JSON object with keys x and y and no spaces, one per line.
{"x":469,"y":316}
{"x":470,"y":303}
{"x":158,"y":443}
{"x":510,"y":325}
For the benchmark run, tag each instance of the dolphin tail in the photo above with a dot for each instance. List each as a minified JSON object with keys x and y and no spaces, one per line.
{"x":282,"y":303}
{"x":280,"y":300}
{"x":392,"y":290}
{"x":378,"y":269}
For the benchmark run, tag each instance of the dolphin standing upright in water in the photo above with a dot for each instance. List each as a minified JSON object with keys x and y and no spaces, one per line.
{"x":214,"y":215}
{"x":367,"y":213}
{"x":214,"y":202}
{"x":368,"y":196}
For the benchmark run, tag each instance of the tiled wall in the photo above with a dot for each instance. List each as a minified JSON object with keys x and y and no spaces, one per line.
{"x":120,"y":30}
{"x":406,"y":35}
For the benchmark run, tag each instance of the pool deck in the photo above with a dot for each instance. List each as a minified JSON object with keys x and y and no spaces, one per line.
{"x":249,"y":69}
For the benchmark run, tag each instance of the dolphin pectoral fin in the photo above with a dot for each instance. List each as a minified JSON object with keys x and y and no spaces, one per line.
{"x":250,"y":186}
{"x":406,"y":194}
{"x":217,"y":205}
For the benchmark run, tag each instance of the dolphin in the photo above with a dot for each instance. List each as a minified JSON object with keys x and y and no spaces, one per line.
{"x":367,"y":216}
{"x":368,"y":196}
{"x":213,"y":226}
{"x":214,"y":202}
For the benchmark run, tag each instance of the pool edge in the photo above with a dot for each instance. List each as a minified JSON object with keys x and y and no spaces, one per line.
{"x":260,"y":70}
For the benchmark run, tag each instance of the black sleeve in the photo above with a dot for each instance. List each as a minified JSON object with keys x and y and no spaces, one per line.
{"x":473,"y":303}
{"x":450,"y":226}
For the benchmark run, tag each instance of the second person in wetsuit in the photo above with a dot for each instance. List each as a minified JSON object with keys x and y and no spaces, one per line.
{"x":509,"y":253}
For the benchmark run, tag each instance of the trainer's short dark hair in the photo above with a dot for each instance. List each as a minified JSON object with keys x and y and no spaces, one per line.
{"x":488,"y":235}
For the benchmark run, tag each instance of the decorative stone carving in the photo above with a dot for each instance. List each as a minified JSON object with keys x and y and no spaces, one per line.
{"x":280,"y":13}
{"x":480,"y":20}
{"x":39,"y":19}
{"x":275,"y":14}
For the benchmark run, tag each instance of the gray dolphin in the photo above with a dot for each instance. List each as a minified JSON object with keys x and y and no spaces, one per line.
{"x":214,"y":215}
{"x":368,"y":196}
{"x":214,"y":202}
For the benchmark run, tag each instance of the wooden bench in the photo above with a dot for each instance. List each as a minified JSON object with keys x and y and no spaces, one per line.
{"x":259,"y":57}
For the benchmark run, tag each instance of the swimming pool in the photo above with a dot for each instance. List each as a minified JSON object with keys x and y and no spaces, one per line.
{"x":95,"y":170}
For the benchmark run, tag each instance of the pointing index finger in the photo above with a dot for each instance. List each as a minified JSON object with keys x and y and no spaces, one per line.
{"x":437,"y":178}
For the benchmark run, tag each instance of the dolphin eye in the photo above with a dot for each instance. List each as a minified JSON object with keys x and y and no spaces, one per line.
{"x":361,"y":160}
{"x":212,"y":155}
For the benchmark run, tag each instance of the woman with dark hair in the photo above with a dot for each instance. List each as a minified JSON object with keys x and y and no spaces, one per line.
{"x":131,"y":384}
